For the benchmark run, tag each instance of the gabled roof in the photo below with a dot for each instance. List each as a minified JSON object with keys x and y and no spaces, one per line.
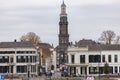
{"x":16,"y":45}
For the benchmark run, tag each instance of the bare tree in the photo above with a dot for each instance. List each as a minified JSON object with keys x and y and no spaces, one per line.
{"x":117,"y":40}
{"x":107,"y":36}
{"x":31,"y":36}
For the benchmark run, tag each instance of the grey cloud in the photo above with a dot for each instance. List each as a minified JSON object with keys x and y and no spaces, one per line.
{"x":89,"y":21}
{"x":85,"y":21}
{"x":29,"y":15}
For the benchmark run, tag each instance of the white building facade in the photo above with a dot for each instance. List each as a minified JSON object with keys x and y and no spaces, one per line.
{"x":18,"y":58}
{"x":86,"y":60}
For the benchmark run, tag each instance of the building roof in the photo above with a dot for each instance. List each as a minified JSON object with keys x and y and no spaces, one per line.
{"x":93,"y":46}
{"x":16,"y":45}
{"x":45,"y":44}
{"x":110,"y":47}
{"x":45,"y":48}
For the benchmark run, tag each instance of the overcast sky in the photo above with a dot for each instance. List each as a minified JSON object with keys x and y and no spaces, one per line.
{"x":87,"y":18}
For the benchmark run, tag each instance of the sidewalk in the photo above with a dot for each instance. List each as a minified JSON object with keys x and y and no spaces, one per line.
{"x":38,"y":78}
{"x":117,"y":78}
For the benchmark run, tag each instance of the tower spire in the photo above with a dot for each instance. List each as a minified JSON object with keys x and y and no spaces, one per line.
{"x":63,"y":9}
{"x":63,"y":1}
{"x":63,"y":4}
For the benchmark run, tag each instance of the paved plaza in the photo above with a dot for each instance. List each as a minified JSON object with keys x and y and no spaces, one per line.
{"x":55,"y":75}
{"x":43,"y":77}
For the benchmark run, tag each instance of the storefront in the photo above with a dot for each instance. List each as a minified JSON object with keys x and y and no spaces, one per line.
{"x":78,"y":69}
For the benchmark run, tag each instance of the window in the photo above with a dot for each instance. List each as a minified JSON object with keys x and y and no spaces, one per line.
{"x":21,"y":69}
{"x":18,"y":59}
{"x":33,"y":68}
{"x":103,"y":58}
{"x":115,"y":58}
{"x":91,"y":58}
{"x":116,"y":70}
{"x":97,"y":58}
{"x":72,"y":59}
{"x":30,"y":58}
{"x":82,"y":58}
{"x":109,"y":58}
{"x":25,"y":52}
{"x":7,"y":52}
{"x":26,"y":58}
{"x":4,"y":59}
{"x":94,"y":58}
{"x":22,"y":59}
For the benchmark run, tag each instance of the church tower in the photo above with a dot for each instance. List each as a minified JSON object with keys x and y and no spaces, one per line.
{"x":63,"y":35}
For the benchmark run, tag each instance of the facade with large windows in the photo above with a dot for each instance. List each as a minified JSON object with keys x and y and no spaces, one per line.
{"x":87,"y":59}
{"x":18,"y":58}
